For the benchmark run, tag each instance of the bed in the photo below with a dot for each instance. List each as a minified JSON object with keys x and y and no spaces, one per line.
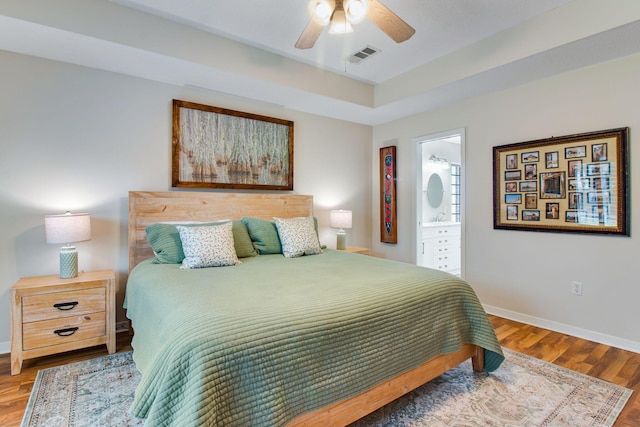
{"x":313,"y":340}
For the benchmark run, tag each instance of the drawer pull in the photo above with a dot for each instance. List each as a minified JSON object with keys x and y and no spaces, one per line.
{"x":65,"y":305}
{"x":66,"y":332}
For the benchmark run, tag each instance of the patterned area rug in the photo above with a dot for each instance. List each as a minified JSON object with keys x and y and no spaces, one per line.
{"x":96,"y":392}
{"x":523,"y":392}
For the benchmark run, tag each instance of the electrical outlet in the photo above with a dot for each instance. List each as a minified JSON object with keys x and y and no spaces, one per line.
{"x":576,"y":288}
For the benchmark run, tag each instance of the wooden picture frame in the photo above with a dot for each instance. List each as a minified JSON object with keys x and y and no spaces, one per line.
{"x":581,"y":184}
{"x":388,"y":208}
{"x":215,"y":147}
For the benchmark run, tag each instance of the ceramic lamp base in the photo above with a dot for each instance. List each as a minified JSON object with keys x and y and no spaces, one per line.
{"x":68,"y":262}
{"x":341,"y":243}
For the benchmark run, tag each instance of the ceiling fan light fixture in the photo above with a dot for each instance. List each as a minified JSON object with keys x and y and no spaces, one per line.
{"x":339,"y":23}
{"x":341,"y":14}
{"x":356,"y":10}
{"x":321,"y":11}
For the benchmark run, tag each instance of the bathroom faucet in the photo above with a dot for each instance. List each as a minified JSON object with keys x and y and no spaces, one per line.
{"x":440,"y":217}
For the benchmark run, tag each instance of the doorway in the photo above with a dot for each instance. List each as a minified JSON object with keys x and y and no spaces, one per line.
{"x":439,"y":201}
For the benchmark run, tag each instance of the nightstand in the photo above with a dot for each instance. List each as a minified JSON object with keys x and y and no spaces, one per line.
{"x":358,"y":250}
{"x":50,"y":315}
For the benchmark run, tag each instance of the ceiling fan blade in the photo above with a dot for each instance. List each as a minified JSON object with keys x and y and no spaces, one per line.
{"x":389,"y":22}
{"x":309,"y":36}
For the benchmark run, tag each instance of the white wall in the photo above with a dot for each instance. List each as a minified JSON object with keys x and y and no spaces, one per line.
{"x":527,"y":275}
{"x":79,"y":139}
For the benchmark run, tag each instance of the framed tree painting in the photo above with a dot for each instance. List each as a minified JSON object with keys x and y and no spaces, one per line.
{"x":214,"y":147}
{"x":575,"y":183}
{"x":388,"y":208}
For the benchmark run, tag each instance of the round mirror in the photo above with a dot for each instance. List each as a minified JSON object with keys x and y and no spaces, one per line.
{"x":435,"y":191}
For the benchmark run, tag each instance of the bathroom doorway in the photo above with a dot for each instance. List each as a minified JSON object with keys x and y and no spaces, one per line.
{"x":439,"y":201}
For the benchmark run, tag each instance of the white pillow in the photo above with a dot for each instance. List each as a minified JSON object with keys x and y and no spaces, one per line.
{"x":298,"y":236}
{"x":208,"y":246}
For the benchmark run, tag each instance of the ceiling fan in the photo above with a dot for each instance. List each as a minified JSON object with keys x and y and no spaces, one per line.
{"x":342,"y":13}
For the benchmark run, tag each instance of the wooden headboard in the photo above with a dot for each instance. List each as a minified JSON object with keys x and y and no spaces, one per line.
{"x":147,"y":207}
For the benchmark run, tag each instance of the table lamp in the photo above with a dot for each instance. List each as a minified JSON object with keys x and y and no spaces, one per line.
{"x":340,"y":219}
{"x":67,"y":228}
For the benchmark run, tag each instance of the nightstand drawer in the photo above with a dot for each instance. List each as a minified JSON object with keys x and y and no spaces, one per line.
{"x":62,"y":304}
{"x":59,"y":331}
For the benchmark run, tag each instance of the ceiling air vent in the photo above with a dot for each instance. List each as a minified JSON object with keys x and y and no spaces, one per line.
{"x":362,"y":54}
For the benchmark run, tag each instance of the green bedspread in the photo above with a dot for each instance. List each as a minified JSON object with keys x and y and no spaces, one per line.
{"x":263,"y":342}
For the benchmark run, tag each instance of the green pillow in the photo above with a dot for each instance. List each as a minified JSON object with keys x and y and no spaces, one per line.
{"x":242,"y":240}
{"x":165,"y":242}
{"x":264,"y":235}
{"x":164,"y":239}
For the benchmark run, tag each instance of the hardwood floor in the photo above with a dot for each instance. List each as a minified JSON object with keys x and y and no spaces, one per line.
{"x":611,"y":364}
{"x":597,"y":360}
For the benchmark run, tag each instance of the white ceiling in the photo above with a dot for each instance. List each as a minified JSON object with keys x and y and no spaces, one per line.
{"x":442,"y":26}
{"x":245,"y":48}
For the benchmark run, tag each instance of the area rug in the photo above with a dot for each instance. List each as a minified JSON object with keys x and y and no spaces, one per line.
{"x":96,"y":392}
{"x":523,"y":392}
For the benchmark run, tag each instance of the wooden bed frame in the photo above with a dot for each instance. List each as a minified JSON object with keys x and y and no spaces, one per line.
{"x":149,"y":207}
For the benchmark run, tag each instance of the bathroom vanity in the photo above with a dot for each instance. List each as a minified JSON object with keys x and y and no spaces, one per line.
{"x":441,"y":246}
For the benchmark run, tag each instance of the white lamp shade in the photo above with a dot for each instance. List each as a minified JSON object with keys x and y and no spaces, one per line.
{"x":67,"y":228}
{"x":356,"y":10}
{"x":340,"y":219}
{"x":321,"y":11}
{"x":339,"y":23}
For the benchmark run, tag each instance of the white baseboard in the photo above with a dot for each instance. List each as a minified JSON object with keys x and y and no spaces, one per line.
{"x":5,"y":347}
{"x":586,"y":334}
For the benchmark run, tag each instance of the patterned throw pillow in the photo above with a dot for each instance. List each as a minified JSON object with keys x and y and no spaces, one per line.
{"x":167,"y":247}
{"x":208,"y":246}
{"x":298,"y":237}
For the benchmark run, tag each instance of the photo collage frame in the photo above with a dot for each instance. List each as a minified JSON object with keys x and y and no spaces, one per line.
{"x":574,"y":183}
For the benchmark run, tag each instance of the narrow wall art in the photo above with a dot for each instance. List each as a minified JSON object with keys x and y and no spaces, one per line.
{"x":388,"y":209}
